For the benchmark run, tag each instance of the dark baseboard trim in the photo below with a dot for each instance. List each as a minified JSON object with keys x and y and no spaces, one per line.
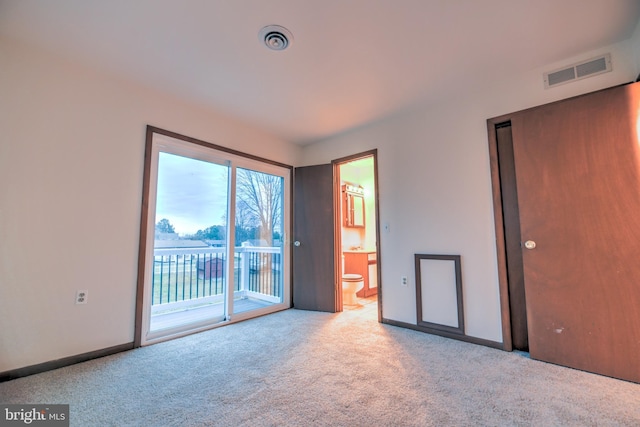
{"x":60,"y":363}
{"x":459,"y":337}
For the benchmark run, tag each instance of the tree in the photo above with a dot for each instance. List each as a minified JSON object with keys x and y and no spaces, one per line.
{"x":164,"y":226}
{"x":259,"y":202}
{"x":215,"y":232}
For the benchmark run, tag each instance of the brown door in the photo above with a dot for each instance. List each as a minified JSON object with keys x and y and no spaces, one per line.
{"x":577,"y":166}
{"x":313,"y":234}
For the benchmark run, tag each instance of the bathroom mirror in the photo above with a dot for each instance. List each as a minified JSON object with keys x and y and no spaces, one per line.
{"x":358,"y":211}
{"x":353,"y":206}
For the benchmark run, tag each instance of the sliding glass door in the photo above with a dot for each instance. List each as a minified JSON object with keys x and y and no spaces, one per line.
{"x":259,"y":229}
{"x":189,"y":243}
{"x":202,"y":270}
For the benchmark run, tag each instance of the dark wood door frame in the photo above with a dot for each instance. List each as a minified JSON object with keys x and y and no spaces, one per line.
{"x":338,"y":221}
{"x":513,"y":250}
{"x":503,"y":282}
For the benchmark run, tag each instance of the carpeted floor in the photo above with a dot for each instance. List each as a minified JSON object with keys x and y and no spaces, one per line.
{"x":299,"y":368}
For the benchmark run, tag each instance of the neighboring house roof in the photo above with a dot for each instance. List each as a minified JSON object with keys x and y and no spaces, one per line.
{"x":166,"y":236}
{"x":255,"y":242}
{"x":185,"y":243}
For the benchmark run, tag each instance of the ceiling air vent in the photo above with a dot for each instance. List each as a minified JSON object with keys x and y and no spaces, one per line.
{"x":275,"y":37}
{"x":578,"y":71}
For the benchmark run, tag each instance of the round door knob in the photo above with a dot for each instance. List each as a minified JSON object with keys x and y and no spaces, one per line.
{"x":296,"y":243}
{"x":530,"y":244}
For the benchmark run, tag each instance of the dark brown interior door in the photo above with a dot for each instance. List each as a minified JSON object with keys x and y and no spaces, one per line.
{"x":577,"y":168}
{"x":313,"y":234}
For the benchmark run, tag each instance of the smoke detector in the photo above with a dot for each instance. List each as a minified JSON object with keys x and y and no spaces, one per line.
{"x":275,"y":37}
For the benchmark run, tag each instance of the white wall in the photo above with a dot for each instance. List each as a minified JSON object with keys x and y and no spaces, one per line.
{"x":435,"y":186}
{"x":635,"y":46}
{"x":71,"y":167}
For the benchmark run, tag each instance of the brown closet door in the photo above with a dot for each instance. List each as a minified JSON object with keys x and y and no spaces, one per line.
{"x":578,"y":179}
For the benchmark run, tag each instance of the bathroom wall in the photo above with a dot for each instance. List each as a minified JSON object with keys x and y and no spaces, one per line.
{"x":360,"y":172}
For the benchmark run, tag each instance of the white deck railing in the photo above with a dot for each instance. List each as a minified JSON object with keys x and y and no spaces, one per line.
{"x":188,"y":277}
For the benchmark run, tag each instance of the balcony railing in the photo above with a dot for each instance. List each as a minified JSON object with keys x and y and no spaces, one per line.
{"x":189,"y":277}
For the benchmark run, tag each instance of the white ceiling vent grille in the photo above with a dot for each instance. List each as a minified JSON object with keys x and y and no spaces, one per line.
{"x":578,"y":71}
{"x":275,"y":37}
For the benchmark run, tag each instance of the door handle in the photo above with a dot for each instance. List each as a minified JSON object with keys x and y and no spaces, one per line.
{"x":530,"y":244}
{"x":296,"y":243}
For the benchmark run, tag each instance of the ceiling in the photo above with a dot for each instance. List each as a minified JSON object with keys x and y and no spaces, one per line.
{"x":351,"y":62}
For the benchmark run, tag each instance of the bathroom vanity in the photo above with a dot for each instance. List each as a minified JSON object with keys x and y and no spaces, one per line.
{"x":363,"y":262}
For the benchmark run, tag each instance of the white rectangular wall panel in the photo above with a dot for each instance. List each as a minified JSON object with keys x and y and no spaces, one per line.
{"x":439,"y":297}
{"x":439,"y":293}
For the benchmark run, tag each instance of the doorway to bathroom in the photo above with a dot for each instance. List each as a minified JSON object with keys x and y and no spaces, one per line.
{"x":357,"y":258}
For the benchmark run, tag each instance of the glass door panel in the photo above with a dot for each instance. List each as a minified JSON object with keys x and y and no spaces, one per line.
{"x":189,"y":277}
{"x":259,"y":237}
{"x":199,"y":267}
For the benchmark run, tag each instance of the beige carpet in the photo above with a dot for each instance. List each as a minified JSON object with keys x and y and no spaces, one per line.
{"x":298,"y":368}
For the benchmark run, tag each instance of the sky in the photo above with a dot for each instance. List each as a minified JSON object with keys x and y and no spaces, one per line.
{"x":192,"y":194}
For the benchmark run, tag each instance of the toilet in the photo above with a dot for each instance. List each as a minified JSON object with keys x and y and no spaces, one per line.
{"x":351,"y":283}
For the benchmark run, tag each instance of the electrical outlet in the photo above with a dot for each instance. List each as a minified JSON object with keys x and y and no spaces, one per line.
{"x":404,"y":280}
{"x":81,"y":296}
